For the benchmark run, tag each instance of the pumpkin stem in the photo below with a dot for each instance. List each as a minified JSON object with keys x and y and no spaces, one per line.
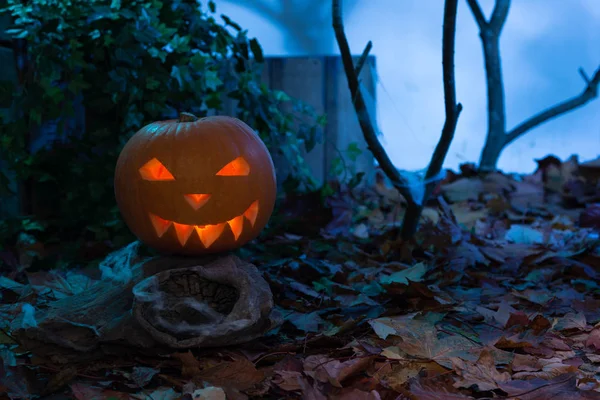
{"x":187,"y":117}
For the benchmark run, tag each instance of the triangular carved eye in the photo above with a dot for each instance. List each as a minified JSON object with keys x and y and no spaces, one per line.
{"x":237,"y":167}
{"x":154,"y":170}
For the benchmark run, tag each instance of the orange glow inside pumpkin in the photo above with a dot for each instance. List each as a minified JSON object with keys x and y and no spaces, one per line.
{"x":236,"y":225}
{"x":183,"y":232}
{"x":208,"y":234}
{"x":237,"y":167}
{"x":154,"y":170}
{"x":252,"y":212}
{"x":197,"y":200}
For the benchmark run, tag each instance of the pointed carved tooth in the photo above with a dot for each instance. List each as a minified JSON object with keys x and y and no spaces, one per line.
{"x":252,"y":212}
{"x":208,"y":234}
{"x":236,"y":224}
{"x":183,"y":232}
{"x":196,"y":200}
{"x":160,"y":225}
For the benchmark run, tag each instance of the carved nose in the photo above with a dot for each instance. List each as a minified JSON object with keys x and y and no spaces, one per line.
{"x":196,"y":200}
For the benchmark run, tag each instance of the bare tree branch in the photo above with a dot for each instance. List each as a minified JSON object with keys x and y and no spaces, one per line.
{"x":477,"y":14}
{"x":496,"y":113}
{"x":499,"y":15}
{"x":453,"y":110}
{"x":584,"y":75}
{"x":398,"y":181}
{"x":363,"y":58}
{"x":497,"y":136}
{"x":590,"y":92}
{"x":414,"y":206}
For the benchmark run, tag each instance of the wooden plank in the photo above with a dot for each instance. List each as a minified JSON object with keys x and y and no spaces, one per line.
{"x":5,"y":21}
{"x":321,"y":83}
{"x":9,"y":204}
{"x":302,"y":78}
{"x":343,"y":127}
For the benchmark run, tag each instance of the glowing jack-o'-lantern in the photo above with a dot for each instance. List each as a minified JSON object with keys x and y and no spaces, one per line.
{"x":194,"y":186}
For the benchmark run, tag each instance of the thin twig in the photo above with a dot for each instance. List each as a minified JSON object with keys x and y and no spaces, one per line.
{"x":275,"y":353}
{"x":499,"y":15}
{"x":589,"y":93}
{"x":452,"y":109}
{"x":497,"y":19}
{"x":364,"y":119}
{"x":477,"y":14}
{"x":584,"y":75}
{"x":363,"y":58}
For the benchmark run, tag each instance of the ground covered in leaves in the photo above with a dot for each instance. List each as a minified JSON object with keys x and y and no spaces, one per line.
{"x":497,"y":297}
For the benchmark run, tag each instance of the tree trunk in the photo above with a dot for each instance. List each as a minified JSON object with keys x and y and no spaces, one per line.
{"x":491,"y":152}
{"x":496,"y":132}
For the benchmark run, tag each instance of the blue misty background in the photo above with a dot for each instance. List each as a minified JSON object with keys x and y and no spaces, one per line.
{"x":543,"y":44}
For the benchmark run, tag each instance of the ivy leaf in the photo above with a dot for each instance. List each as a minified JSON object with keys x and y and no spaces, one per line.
{"x":176,"y":73}
{"x":156,"y":53}
{"x":5,"y":189}
{"x":281,"y":96}
{"x":35,"y":116}
{"x":7,"y":90}
{"x":127,"y":14}
{"x":17,"y":33}
{"x":353,"y":151}
{"x":356,"y":179}
{"x":212,"y":80}
{"x":256,"y":50}
{"x":152,"y":83}
{"x":100,"y":12}
{"x":229,"y":22}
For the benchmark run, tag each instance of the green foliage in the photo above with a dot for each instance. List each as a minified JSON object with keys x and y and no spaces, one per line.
{"x":128,"y":63}
{"x":346,"y":171}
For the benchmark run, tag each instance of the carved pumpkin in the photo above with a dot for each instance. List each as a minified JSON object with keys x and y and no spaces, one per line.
{"x":195,"y":186}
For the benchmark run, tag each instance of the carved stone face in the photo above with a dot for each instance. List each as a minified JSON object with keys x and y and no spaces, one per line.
{"x":195,"y":186}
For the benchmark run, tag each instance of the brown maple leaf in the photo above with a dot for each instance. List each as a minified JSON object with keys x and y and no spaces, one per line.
{"x":563,"y":387}
{"x":482,"y":373}
{"x":325,"y":369}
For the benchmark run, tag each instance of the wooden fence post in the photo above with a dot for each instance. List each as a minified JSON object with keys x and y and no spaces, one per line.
{"x":9,"y":204}
{"x":321,"y":83}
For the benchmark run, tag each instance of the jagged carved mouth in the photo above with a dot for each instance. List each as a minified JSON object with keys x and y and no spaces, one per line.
{"x":208,"y":234}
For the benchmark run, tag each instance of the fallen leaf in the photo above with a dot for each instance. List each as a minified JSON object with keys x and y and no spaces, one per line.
{"x":563,"y":387}
{"x":141,"y":376}
{"x":333,"y":371}
{"x":482,"y":373}
{"x":524,"y":234}
{"x":424,"y":391}
{"x":190,"y":366}
{"x":209,"y":393}
{"x":239,"y":374}
{"x":414,"y":273}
